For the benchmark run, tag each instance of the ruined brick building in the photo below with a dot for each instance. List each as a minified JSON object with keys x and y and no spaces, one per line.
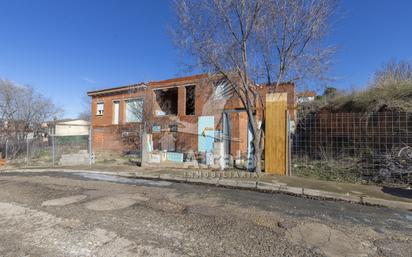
{"x":183,"y":115}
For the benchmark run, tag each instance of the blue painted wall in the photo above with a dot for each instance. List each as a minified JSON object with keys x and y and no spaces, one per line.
{"x":206,"y":137}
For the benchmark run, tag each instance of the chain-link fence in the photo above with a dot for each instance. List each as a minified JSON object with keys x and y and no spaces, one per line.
{"x":356,"y":147}
{"x":180,"y":145}
{"x":47,"y":151}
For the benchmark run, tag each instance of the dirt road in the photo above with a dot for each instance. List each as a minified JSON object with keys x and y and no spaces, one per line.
{"x":61,"y":214}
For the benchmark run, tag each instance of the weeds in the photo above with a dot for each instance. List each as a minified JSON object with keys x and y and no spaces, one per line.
{"x":332,"y":170}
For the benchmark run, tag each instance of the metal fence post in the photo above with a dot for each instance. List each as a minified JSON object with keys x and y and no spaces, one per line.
{"x":289,"y":144}
{"x":7,"y":148}
{"x":53,"y":150}
{"x":141,"y":142}
{"x":27,"y":150}
{"x":90,"y":146}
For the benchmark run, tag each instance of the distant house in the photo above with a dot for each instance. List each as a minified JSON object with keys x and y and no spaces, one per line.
{"x":305,"y":97}
{"x":68,"y":127}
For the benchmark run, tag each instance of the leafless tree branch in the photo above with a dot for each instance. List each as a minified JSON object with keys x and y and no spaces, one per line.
{"x":254,"y":42}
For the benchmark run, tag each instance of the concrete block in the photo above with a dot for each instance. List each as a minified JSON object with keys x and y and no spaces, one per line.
{"x":279,"y":183}
{"x":215,"y":167}
{"x":173,"y":177}
{"x":227,"y":182}
{"x":311,"y":192}
{"x":246,"y":184}
{"x":203,"y":166}
{"x":267,"y":186}
{"x":154,"y":158}
{"x":341,"y":197}
{"x":74,"y":159}
{"x":150,"y":176}
{"x":207,"y":181}
{"x":292,"y":190}
{"x":191,"y":164}
{"x":174,"y":157}
{"x":388,"y":203}
{"x":350,"y":198}
{"x":195,"y":180}
{"x":163,"y":156}
{"x":211,"y":181}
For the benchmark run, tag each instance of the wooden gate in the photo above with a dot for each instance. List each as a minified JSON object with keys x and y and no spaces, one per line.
{"x":276,"y":140}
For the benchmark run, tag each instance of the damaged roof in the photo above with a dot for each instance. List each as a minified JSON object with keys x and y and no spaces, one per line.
{"x":116,"y":89}
{"x":142,"y":85}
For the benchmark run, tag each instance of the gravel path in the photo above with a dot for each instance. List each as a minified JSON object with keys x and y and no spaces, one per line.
{"x":55,"y":214}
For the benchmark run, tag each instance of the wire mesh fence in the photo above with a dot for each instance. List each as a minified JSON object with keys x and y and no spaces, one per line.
{"x":180,"y":145}
{"x":356,"y":147}
{"x":47,"y":151}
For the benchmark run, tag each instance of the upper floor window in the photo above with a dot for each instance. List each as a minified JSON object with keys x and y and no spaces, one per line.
{"x":190,"y":100}
{"x":166,"y":100}
{"x":100,"y":109}
{"x":134,"y":110}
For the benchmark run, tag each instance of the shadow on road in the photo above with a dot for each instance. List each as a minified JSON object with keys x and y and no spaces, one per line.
{"x":400,"y":192}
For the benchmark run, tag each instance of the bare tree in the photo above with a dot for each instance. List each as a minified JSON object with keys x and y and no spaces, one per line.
{"x":86,"y":114}
{"x":22,"y":111}
{"x":255,"y":42}
{"x":392,"y":73}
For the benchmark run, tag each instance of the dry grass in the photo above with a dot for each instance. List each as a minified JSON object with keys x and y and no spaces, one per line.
{"x":391,"y":97}
{"x":390,"y":90}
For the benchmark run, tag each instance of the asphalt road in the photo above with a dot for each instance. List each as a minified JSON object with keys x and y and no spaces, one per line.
{"x":83,"y":214}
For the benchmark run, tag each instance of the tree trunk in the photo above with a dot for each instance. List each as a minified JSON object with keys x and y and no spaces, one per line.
{"x":257,"y":150}
{"x":258,"y":160}
{"x":257,"y":139}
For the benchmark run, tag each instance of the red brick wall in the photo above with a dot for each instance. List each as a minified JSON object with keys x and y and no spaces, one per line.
{"x":239,"y":133}
{"x":107,"y":118}
{"x":291,"y":97}
{"x":106,"y":136}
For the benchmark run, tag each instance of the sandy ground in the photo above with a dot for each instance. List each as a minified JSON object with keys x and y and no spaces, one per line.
{"x":55,"y":214}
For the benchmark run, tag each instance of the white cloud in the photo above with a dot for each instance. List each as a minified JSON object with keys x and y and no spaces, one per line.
{"x":89,"y":80}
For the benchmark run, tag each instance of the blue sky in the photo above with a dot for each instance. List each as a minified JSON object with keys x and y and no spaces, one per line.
{"x":64,"y":48}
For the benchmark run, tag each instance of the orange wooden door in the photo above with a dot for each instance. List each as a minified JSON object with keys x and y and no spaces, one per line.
{"x":276,"y":134}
